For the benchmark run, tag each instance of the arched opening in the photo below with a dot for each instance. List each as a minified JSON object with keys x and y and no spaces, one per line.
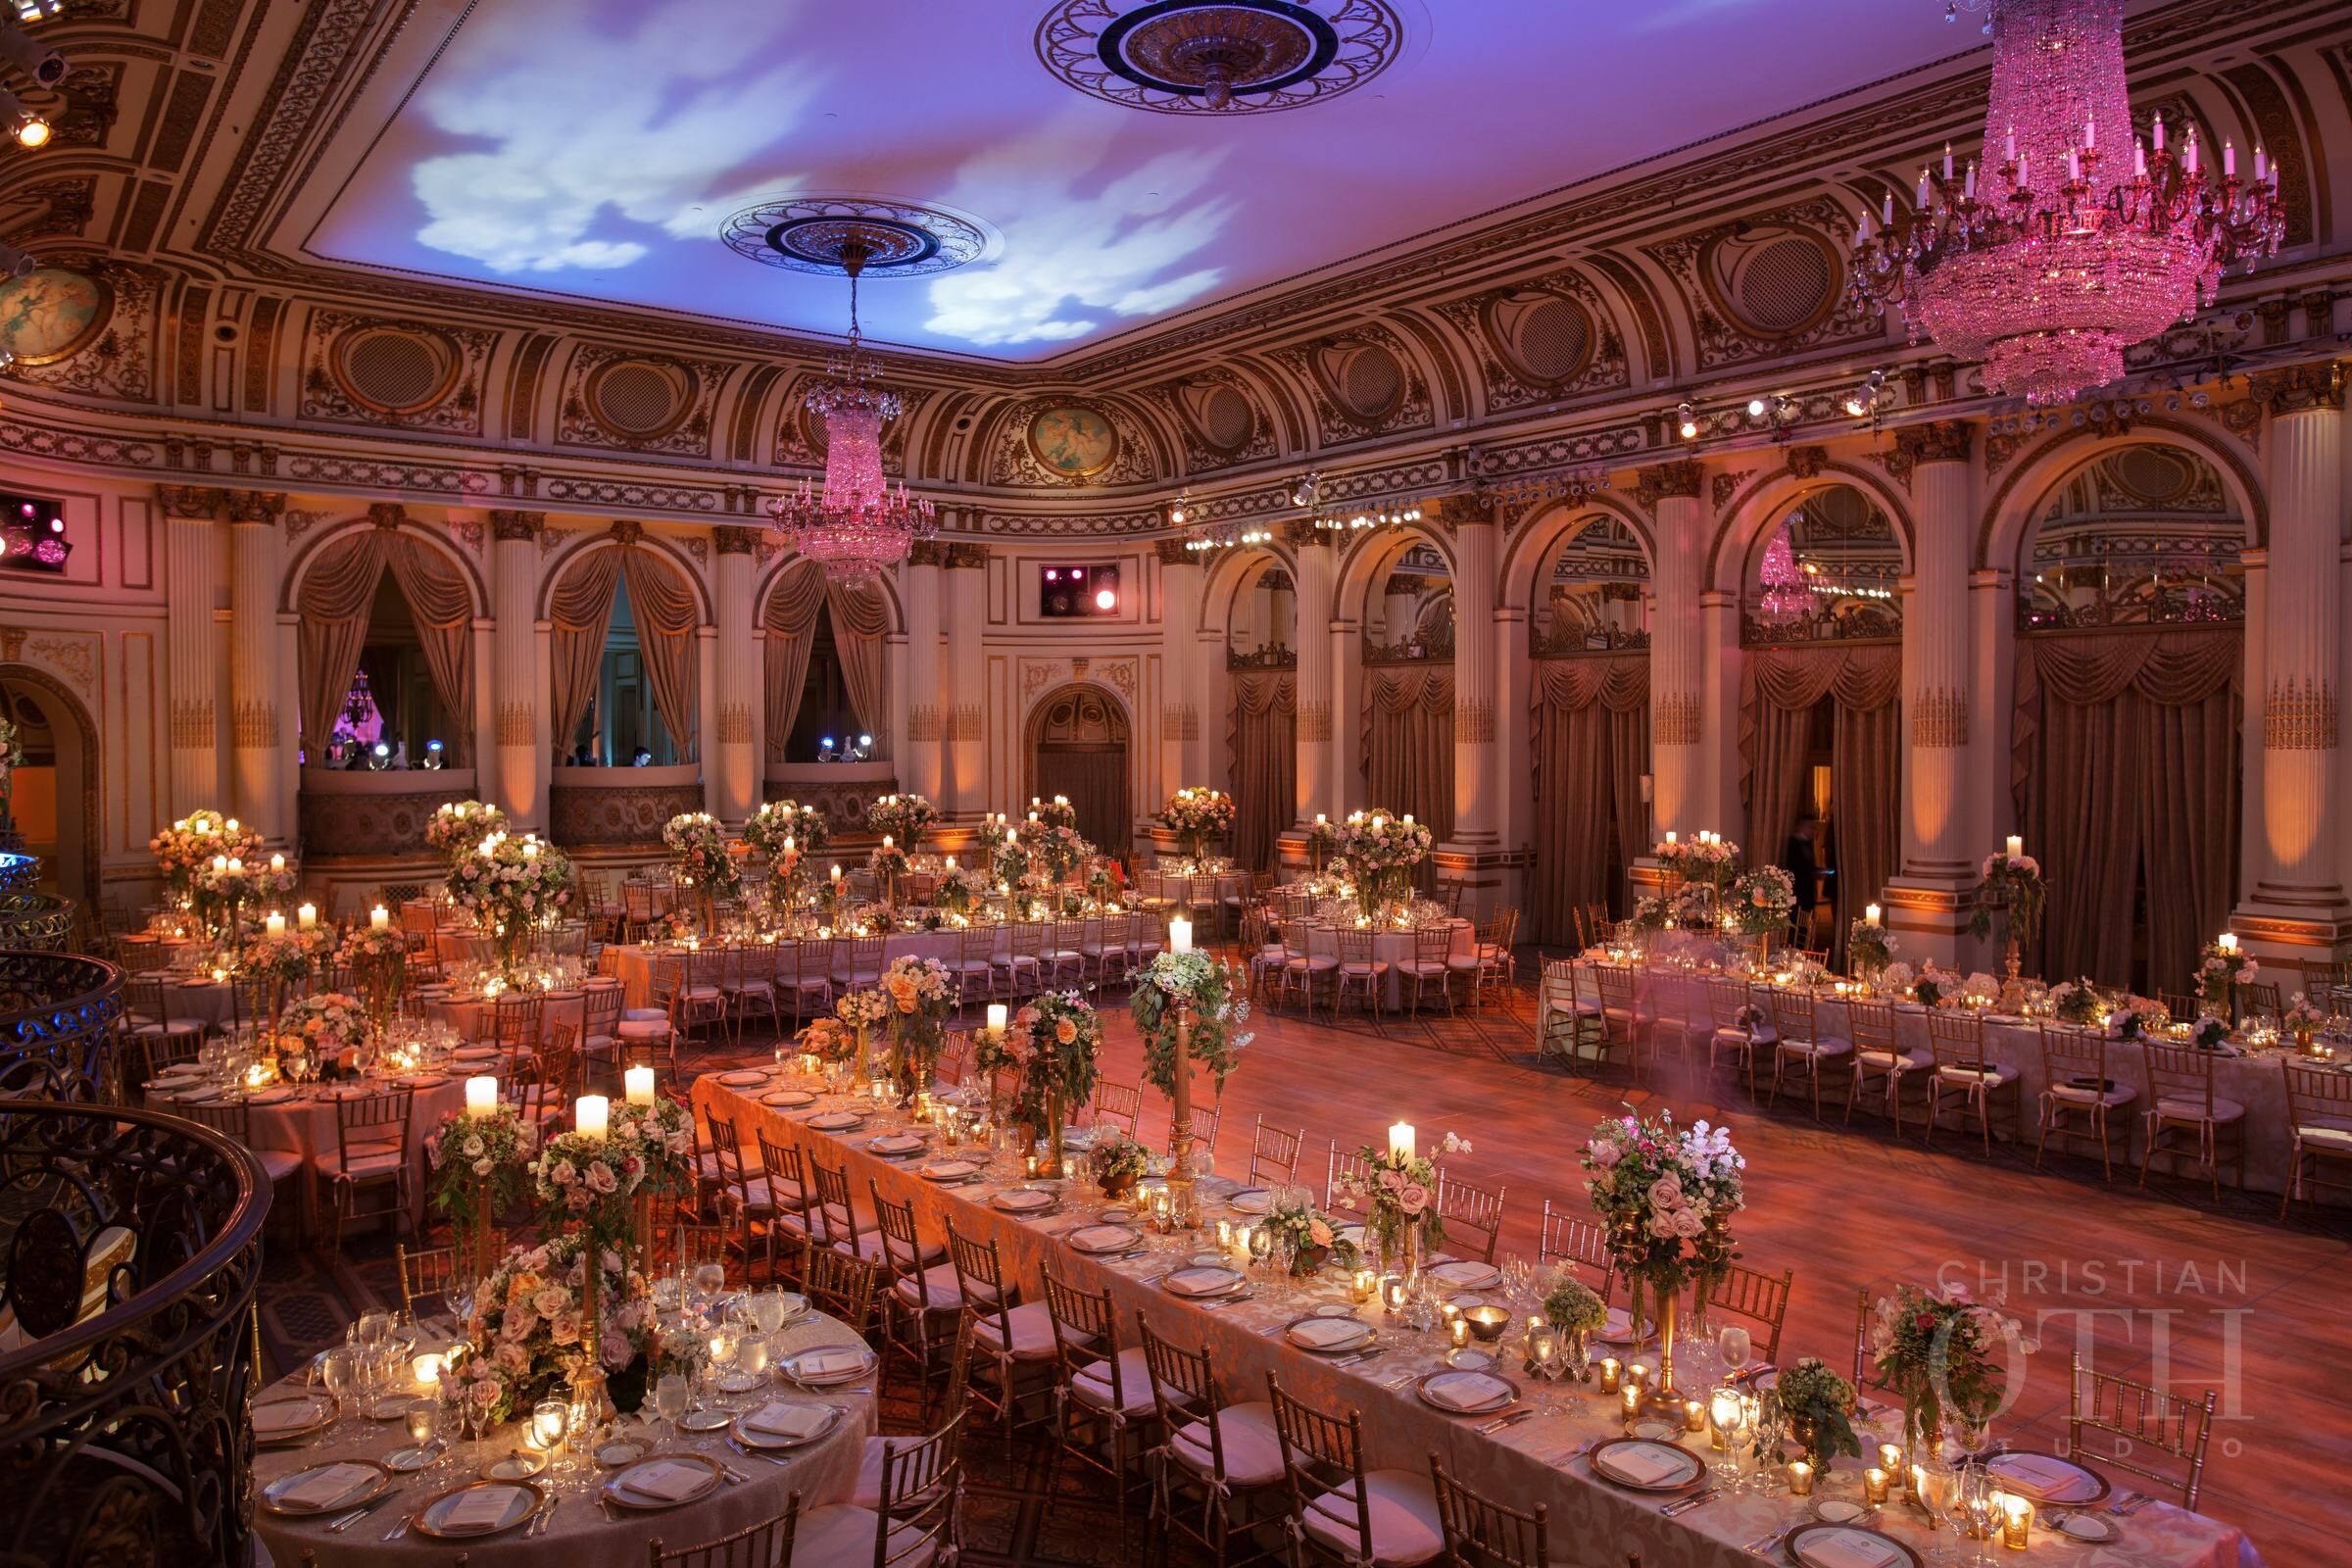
{"x":386,"y":654}
{"x":627,"y":687}
{"x":827,"y":668}
{"x":1821,"y":719}
{"x":1078,"y":737}
{"x":1407,"y":616}
{"x":1261,"y":665}
{"x":1589,"y":637}
{"x":53,"y":797}
{"x":2129,"y":700}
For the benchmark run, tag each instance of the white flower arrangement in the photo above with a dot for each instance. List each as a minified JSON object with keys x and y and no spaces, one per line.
{"x":459,"y":824}
{"x":1197,"y":815}
{"x":1666,"y":1195}
{"x":904,"y":817}
{"x":321,"y":1024}
{"x":195,"y":841}
{"x":697,"y":855}
{"x":862,"y":1010}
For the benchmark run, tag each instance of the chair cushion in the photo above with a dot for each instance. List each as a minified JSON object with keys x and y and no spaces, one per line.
{"x":2180,"y":1109}
{"x":1993,"y":1075}
{"x":366,"y":1161}
{"x":943,"y":1291}
{"x":1090,"y":1386}
{"x":1252,"y":1451}
{"x":1404,"y":1510}
{"x":1313,"y":963}
{"x":638,"y":1029}
{"x":1820,"y":1046}
{"x":1423,"y":968}
{"x":2084,"y":1095}
{"x":280,"y":1163}
{"x":643,"y":1015}
{"x":1362,"y":971}
{"x":2336,"y":1139}
{"x":843,"y":1533}
{"x":1896,"y":1062}
{"x":1032,"y":1333}
{"x":1731,"y":1034}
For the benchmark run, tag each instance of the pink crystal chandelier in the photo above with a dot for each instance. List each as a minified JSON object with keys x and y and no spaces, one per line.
{"x":855,"y":525}
{"x":1785,"y":597}
{"x":2053,"y":264}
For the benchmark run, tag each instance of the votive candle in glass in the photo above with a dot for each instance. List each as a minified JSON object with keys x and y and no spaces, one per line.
{"x":1874,"y":1485}
{"x":1800,"y":1479}
{"x":1891,"y":1458}
{"x":1365,"y":1283}
{"x":1723,"y":1413}
{"x":1638,"y":1375}
{"x":548,"y":1418}
{"x":1609,"y":1366}
{"x":2017,"y":1520}
{"x":426,"y":1370}
{"x":1629,"y":1398}
{"x":1457,"y":1328}
{"x":1694,"y":1417}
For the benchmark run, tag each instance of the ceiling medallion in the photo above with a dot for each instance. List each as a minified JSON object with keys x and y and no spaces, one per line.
{"x":807,"y":233}
{"x":2082,"y":240}
{"x":853,"y":526}
{"x":1243,"y":57}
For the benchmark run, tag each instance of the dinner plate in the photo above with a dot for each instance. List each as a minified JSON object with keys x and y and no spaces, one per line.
{"x":2094,"y":1529}
{"x":710,"y":1418}
{"x":358,"y":1480}
{"x":407,"y":1461}
{"x":1827,"y":1545}
{"x":1471,"y":1358}
{"x":1203,"y":1283}
{"x":516,"y":1464}
{"x":290,"y":1420}
{"x":1654,"y":1429}
{"x":742,"y":1078}
{"x":1466,"y":1393}
{"x":462,"y":1513}
{"x":836,"y":1121}
{"x":950,"y":1170}
{"x":895,"y":1146}
{"x":1837,"y":1510}
{"x":1248,"y":1200}
{"x":270,"y":1097}
{"x":795,"y":1367}
{"x":2046,"y":1478}
{"x":1101,"y":1239}
{"x":619,"y":1451}
{"x":1639,"y":1464}
{"x":789,"y":1098}
{"x":618,"y":1487}
{"x":751,"y":1436}
{"x":1023,"y":1199}
{"x":1467,"y":1274}
{"x":1329,"y":1336}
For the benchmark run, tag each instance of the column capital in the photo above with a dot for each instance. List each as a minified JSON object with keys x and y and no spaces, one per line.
{"x":1466,"y":509}
{"x":964,"y":557}
{"x":735,"y":541}
{"x":519,"y":526}
{"x":190,"y":499}
{"x":2319,"y":384}
{"x":1302,"y":533}
{"x":1678,"y":480}
{"x":1936,"y":441}
{"x":927,"y":553}
{"x":256,"y":506}
{"x":1176,"y":553}
{"x":387,"y":513}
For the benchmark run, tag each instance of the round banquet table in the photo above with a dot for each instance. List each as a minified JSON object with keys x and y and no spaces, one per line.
{"x":581,"y":1535}
{"x":1391,"y":946}
{"x":201,"y":1000}
{"x":472,"y":1017}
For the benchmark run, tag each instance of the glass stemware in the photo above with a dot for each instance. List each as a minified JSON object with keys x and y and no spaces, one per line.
{"x":1733,"y":1345}
{"x":338,"y":1369}
{"x":1939,"y":1495}
{"x":1977,"y":1512}
{"x":670,"y":1399}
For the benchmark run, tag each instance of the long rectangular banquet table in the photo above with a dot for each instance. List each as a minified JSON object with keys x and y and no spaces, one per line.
{"x":1533,"y":1460}
{"x":2255,"y":1081}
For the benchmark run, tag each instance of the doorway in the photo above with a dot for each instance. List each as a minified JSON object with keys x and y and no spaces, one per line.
{"x":1078,"y":747}
{"x":54,"y":797}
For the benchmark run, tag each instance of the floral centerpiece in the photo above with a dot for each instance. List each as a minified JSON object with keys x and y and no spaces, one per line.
{"x":1934,"y":1352}
{"x":1120,"y":1162}
{"x":2137,"y":1019}
{"x":1760,"y":900}
{"x":379,"y":967}
{"x":1819,"y":1406}
{"x":1381,"y":850}
{"x":2076,"y":1001}
{"x":1055,"y":812}
{"x":700,"y":863}
{"x":477,"y":1166}
{"x":2210,"y":1032}
{"x":321,"y":1025}
{"x":890,"y":867}
{"x":1059,"y":851}
{"x":1197,"y":815}
{"x":1009,"y":861}
{"x":535,"y":1318}
{"x":283,"y":960}
{"x":1311,"y":1236}
{"x":859,"y":1011}
{"x":2302,"y":1019}
{"x":904,"y":817}
{"x":2221,"y":970}
{"x":227,"y":885}
{"x":194,"y":842}
{"x":1709,"y":858}
{"x":1926,"y":984}
{"x":1869,"y":946}
{"x":1184,"y":1007}
{"x":827,"y":1040}
{"x":921,"y":992}
{"x":458,"y":825}
{"x":1666,"y":1195}
{"x":991,"y":832}
{"x":2011,"y":883}
{"x":512,"y":887}
{"x":960,"y":890}
{"x":1395,"y":1190}
{"x":1571,"y":1307}
{"x":1653,"y":912}
{"x":1065,"y":1037}
{"x":767,"y":829}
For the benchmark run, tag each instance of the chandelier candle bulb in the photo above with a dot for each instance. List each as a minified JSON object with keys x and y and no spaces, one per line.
{"x":482,"y":1096}
{"x":591,"y":1116}
{"x":638,"y":1085}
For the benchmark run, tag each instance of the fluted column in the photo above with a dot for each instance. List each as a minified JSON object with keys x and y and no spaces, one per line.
{"x":734,"y":761}
{"x":1936,"y":652}
{"x":1180,"y":720}
{"x":259,"y":755}
{"x":514,"y":778}
{"x":191,"y":594}
{"x":920,"y":765}
{"x":1477,"y":770}
{"x":2299,"y":896}
{"x":1677,"y":648}
{"x":1317,"y":562}
{"x":968,"y":676}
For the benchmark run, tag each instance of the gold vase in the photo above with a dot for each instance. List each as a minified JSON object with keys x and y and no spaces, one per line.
{"x":1664,"y":1395}
{"x":862,"y":1072}
{"x":1049,"y":1158}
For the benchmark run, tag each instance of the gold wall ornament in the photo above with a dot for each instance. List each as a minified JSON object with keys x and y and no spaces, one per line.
{"x":256,"y":506}
{"x":965,"y":556}
{"x":1674,"y":720}
{"x":2297,"y":387}
{"x":627,"y":531}
{"x":1939,"y":718}
{"x":1474,"y":722}
{"x":1177,"y":552}
{"x":1314,"y":721}
{"x":387,"y":513}
{"x":734,"y":541}
{"x":967,"y":722}
{"x":193,"y":725}
{"x":2299,"y":716}
{"x":521,"y":527}
{"x":1936,"y":441}
{"x":927,"y":553}
{"x":1807,"y":462}
{"x":190,"y":501}
{"x":734,"y":724}
{"x":1678,"y":478}
{"x":923,"y":722}
{"x":253,"y":723}
{"x":517,"y":724}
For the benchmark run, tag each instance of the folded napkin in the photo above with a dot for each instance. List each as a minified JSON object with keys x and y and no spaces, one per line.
{"x":1100,"y":1237}
{"x":2046,"y":1477}
{"x":1023,"y":1198}
{"x":799,"y":1422}
{"x":666,"y":1481}
{"x":483,"y":1508}
{"x":329,"y":1486}
{"x":1321,"y":1333}
{"x":789,"y":1096}
{"x":1201,"y":1280}
{"x":826,"y":1363}
{"x":1465,"y":1391}
{"x":1847,"y":1548}
{"x":949,"y":1169}
{"x":1645,"y":1465}
{"x":1465,"y":1273}
{"x":895,"y":1143}
{"x":833,"y":1120}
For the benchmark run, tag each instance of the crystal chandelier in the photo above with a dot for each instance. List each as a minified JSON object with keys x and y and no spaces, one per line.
{"x":1784,"y":596}
{"x":855,"y":525}
{"x":2050,"y":269}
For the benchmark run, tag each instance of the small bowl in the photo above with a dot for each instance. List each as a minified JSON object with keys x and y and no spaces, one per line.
{"x":1487,"y":1322}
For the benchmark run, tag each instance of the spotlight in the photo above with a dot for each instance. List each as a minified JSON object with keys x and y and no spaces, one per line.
{"x":37,"y":10}
{"x":29,"y":129}
{"x":1755,"y":408}
{"x":1685,"y":421}
{"x":1180,"y":509}
{"x":43,"y":66}
{"x":1107,"y":599}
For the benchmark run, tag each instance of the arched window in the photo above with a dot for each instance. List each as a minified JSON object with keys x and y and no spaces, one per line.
{"x":627,"y":658}
{"x":387,"y":653}
{"x":828,"y":675}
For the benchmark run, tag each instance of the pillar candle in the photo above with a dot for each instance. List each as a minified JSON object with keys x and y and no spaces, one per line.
{"x":2016,"y":846}
{"x":1870,"y":914}
{"x":277,"y":863}
{"x":379,"y":918}
{"x":306,"y":917}
{"x":482,"y":1096}
{"x":275,"y":925}
{"x":1400,"y":1142}
{"x":996,"y":1017}
{"x":1180,"y":934}
{"x":638,"y":1085}
{"x":590,"y":1115}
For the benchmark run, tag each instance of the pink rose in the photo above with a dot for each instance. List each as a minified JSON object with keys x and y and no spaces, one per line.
{"x":616,"y":1348}
{"x":1318,"y":1233}
{"x":1687,"y":1224}
{"x":512,"y":1358}
{"x":565,"y":1328}
{"x":1413,"y":1199}
{"x":1668,"y":1193}
{"x":1604,"y":1153}
{"x":600,"y":1178}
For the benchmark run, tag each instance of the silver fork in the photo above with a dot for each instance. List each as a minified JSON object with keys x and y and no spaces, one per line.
{"x":546,"y":1516}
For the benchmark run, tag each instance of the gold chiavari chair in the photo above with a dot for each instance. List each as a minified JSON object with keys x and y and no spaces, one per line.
{"x":249,"y":1003}
{"x":2262,"y":997}
{"x":1062,"y":964}
{"x":1580,"y":1245}
{"x":2318,"y":1115}
{"x":370,"y":1155}
{"x":2179,"y":1007}
{"x":769,"y":1544}
{"x":430,"y":1271}
{"x":922,"y":1306}
{"x":1309,"y":970}
{"x":1333,"y":1518}
{"x":641,"y":911}
{"x":840,"y":1286}
{"x":1205,"y":1131}
{"x":163,"y":1041}
{"x":1880,"y":1058}
{"x":1121,"y":1104}
{"x":1492,"y":960}
{"x":1004,"y":1346}
{"x":600,"y":1027}
{"x":2181,"y":1100}
{"x":1472,"y":1217}
{"x":976,"y":946}
{"x":1571,"y":1026}
{"x":1964,"y":1073}
{"x":1273,"y":1154}
{"x":1361,"y":970}
{"x":1430,"y":965}
{"x":812,"y":976}
{"x":1018,"y":971}
{"x":749,"y":986}
{"x":1616,"y":1003}
{"x":2077,"y":1097}
{"x":917,"y":1518}
{"x":1223,"y":1455}
{"x":2146,"y":1421}
{"x":1346,"y":1168}
{"x":744,"y":1205}
{"x":1105,"y":1410}
{"x":234,"y":1121}
{"x":515,"y":1023}
{"x":1803,"y":1044}
{"x":1679,"y":1007}
{"x":1492,"y":1534}
{"x":559,"y":1065}
{"x":787,"y":1179}
{"x":1759,"y":1298}
{"x":833,"y":1216}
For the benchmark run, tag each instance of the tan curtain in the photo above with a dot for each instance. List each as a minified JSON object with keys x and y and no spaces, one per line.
{"x":1407,"y":755}
{"x":1264,"y":737}
{"x":337,"y":594}
{"x":860,"y":619}
{"x":442,"y":605}
{"x":1781,"y":688}
{"x":1591,"y":746}
{"x":663,"y":601}
{"x":792,"y":606}
{"x":580,"y":610}
{"x":2124,"y":764}
{"x":1095,"y":778}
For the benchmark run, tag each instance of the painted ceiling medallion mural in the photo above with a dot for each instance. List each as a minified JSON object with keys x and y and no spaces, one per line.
{"x":48,"y":315}
{"x":806,"y":234}
{"x":1245,"y":57}
{"x":1072,"y":440}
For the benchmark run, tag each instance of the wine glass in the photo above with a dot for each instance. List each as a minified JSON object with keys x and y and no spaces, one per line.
{"x":709,"y":1278}
{"x":727,"y":1343}
{"x":670,"y":1399}
{"x":424,"y":1422}
{"x":1939,"y":1495}
{"x":1978,"y":1511}
{"x":752,"y":1358}
{"x":479,"y":1398}
{"x":1974,"y":1432}
{"x":338,"y":1369}
{"x":767,"y":1312}
{"x":1734,"y":1345}
{"x":1546,"y":1348}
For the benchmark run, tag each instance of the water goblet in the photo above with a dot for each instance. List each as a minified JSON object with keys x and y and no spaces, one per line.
{"x":670,"y":1399}
{"x":725,"y":1344}
{"x":767,"y":1312}
{"x":1939,"y":1495}
{"x":423,"y":1418}
{"x":338,"y":1369}
{"x":479,"y":1398}
{"x":1734,"y":1345}
{"x":1977,"y":1512}
{"x":1546,"y":1348}
{"x":752,"y":1357}
{"x":710,"y":1279}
